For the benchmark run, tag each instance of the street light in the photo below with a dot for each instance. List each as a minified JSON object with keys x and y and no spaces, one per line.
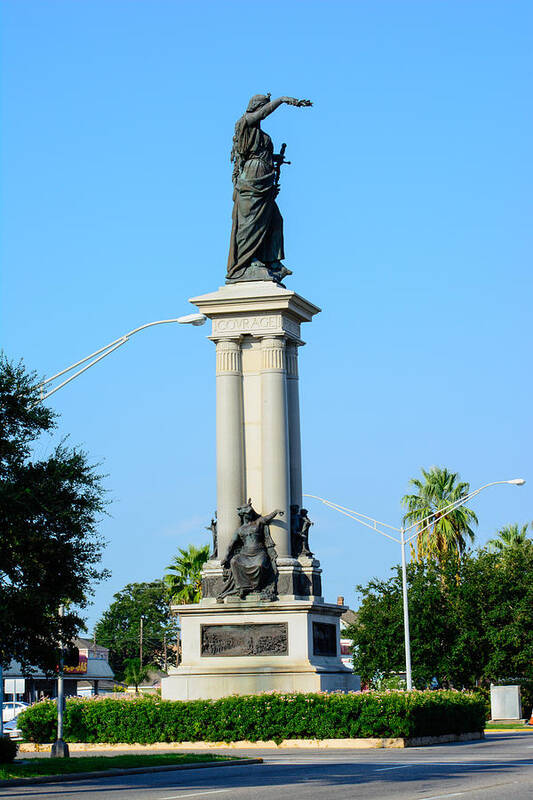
{"x":60,"y":747}
{"x":98,"y":355}
{"x":426,"y":523}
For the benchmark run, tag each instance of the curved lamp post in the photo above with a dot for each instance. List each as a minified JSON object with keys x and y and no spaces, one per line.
{"x":98,"y":355}
{"x":404,"y":539}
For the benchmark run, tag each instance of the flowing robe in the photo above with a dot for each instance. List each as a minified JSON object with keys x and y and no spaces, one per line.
{"x":257,"y":224}
{"x":252,"y":560}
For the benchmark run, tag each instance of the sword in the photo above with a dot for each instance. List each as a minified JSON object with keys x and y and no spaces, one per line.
{"x":279,"y":159}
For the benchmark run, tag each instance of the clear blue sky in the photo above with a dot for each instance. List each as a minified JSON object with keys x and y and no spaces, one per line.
{"x":407,"y":215}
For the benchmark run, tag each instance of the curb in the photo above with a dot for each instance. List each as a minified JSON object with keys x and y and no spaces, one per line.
{"x":111,"y":773}
{"x":525,"y":729}
{"x":367,"y":743}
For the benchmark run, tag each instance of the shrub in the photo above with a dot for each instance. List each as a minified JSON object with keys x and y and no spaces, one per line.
{"x":258,"y":717}
{"x":8,"y":750}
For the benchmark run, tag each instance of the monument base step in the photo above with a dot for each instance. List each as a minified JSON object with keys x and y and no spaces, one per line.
{"x":190,"y":684}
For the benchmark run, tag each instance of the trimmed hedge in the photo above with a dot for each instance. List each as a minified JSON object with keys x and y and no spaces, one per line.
{"x":146,"y":720}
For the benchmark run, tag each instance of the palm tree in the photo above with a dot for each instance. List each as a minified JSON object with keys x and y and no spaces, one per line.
{"x":508,"y":537}
{"x":134,"y":674}
{"x":435,"y":493}
{"x":184,"y":582}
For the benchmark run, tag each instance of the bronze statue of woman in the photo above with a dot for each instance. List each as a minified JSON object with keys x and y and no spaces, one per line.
{"x":250,"y":559}
{"x":256,"y":246}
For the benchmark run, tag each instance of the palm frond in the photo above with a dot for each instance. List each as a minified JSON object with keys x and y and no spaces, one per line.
{"x":449,"y":530}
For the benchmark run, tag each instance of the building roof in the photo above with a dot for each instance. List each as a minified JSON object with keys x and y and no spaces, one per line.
{"x":90,"y":645}
{"x":349,"y":617}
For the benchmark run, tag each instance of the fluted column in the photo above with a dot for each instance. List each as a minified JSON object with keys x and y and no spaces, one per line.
{"x":230,"y":447}
{"x":293,"y":408}
{"x":275,"y":444}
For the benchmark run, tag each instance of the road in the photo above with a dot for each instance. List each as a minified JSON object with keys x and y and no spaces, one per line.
{"x":499,"y":768}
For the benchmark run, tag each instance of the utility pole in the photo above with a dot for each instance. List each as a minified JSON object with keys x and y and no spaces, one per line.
{"x":165,"y":651}
{"x":141,"y":642}
{"x":59,"y":747}
{"x":407,"y":636}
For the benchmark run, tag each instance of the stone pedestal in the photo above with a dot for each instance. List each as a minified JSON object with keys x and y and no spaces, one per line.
{"x":246,"y":647}
{"x":253,"y":645}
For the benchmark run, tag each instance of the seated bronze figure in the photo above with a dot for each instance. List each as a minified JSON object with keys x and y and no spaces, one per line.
{"x":250,"y":559}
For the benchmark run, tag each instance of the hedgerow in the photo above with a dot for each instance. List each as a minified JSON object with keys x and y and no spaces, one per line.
{"x":260,"y":717}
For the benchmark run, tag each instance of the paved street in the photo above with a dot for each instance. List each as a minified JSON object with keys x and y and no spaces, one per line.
{"x":500,"y":767}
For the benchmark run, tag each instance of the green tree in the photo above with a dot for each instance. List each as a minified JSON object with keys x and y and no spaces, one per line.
{"x":378,"y":633}
{"x":505,"y":584}
{"x":184,"y":581}
{"x":471,"y":619}
{"x":447,"y":533}
{"x":135,"y":674}
{"x":119,"y":627}
{"x":509,"y":536}
{"x":50,"y":548}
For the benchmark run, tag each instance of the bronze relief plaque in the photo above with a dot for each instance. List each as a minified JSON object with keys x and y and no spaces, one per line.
{"x":245,"y":640}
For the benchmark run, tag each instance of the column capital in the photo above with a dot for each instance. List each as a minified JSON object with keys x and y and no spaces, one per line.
{"x":273,"y":348}
{"x":226,"y":337}
{"x":229,"y":359}
{"x":281,"y":338}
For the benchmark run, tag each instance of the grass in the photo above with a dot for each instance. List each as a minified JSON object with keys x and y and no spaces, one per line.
{"x":35,"y":767}
{"x":507,"y":726}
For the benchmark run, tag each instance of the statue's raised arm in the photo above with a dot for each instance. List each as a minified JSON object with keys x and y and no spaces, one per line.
{"x":256,"y":246}
{"x":265,"y":110}
{"x":267,"y":518}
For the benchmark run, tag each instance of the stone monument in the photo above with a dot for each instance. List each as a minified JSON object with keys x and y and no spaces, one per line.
{"x":262,"y":623}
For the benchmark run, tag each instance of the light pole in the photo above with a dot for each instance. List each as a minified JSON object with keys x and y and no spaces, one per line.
{"x":98,"y":355}
{"x":421,"y":526}
{"x":60,"y":748}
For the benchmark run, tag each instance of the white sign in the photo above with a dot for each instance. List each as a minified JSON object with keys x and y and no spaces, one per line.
{"x":505,"y":702}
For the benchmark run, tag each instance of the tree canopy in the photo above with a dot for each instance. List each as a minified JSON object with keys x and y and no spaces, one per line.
{"x":446,"y":532}
{"x":50,"y":547}
{"x":135,"y":673}
{"x":184,"y":580}
{"x":120,"y":626}
{"x":509,"y":536}
{"x":471,"y":620}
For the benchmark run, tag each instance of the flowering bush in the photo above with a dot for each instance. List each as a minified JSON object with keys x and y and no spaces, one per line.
{"x":258,"y":717}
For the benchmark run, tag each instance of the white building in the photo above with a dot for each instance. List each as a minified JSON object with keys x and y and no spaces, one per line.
{"x":91,"y":676}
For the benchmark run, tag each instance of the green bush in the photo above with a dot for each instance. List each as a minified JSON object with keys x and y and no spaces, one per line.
{"x":258,"y":717}
{"x":484,"y":693}
{"x":8,"y":750}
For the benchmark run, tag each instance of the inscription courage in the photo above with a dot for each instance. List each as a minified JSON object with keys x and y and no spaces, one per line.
{"x":247,"y":323}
